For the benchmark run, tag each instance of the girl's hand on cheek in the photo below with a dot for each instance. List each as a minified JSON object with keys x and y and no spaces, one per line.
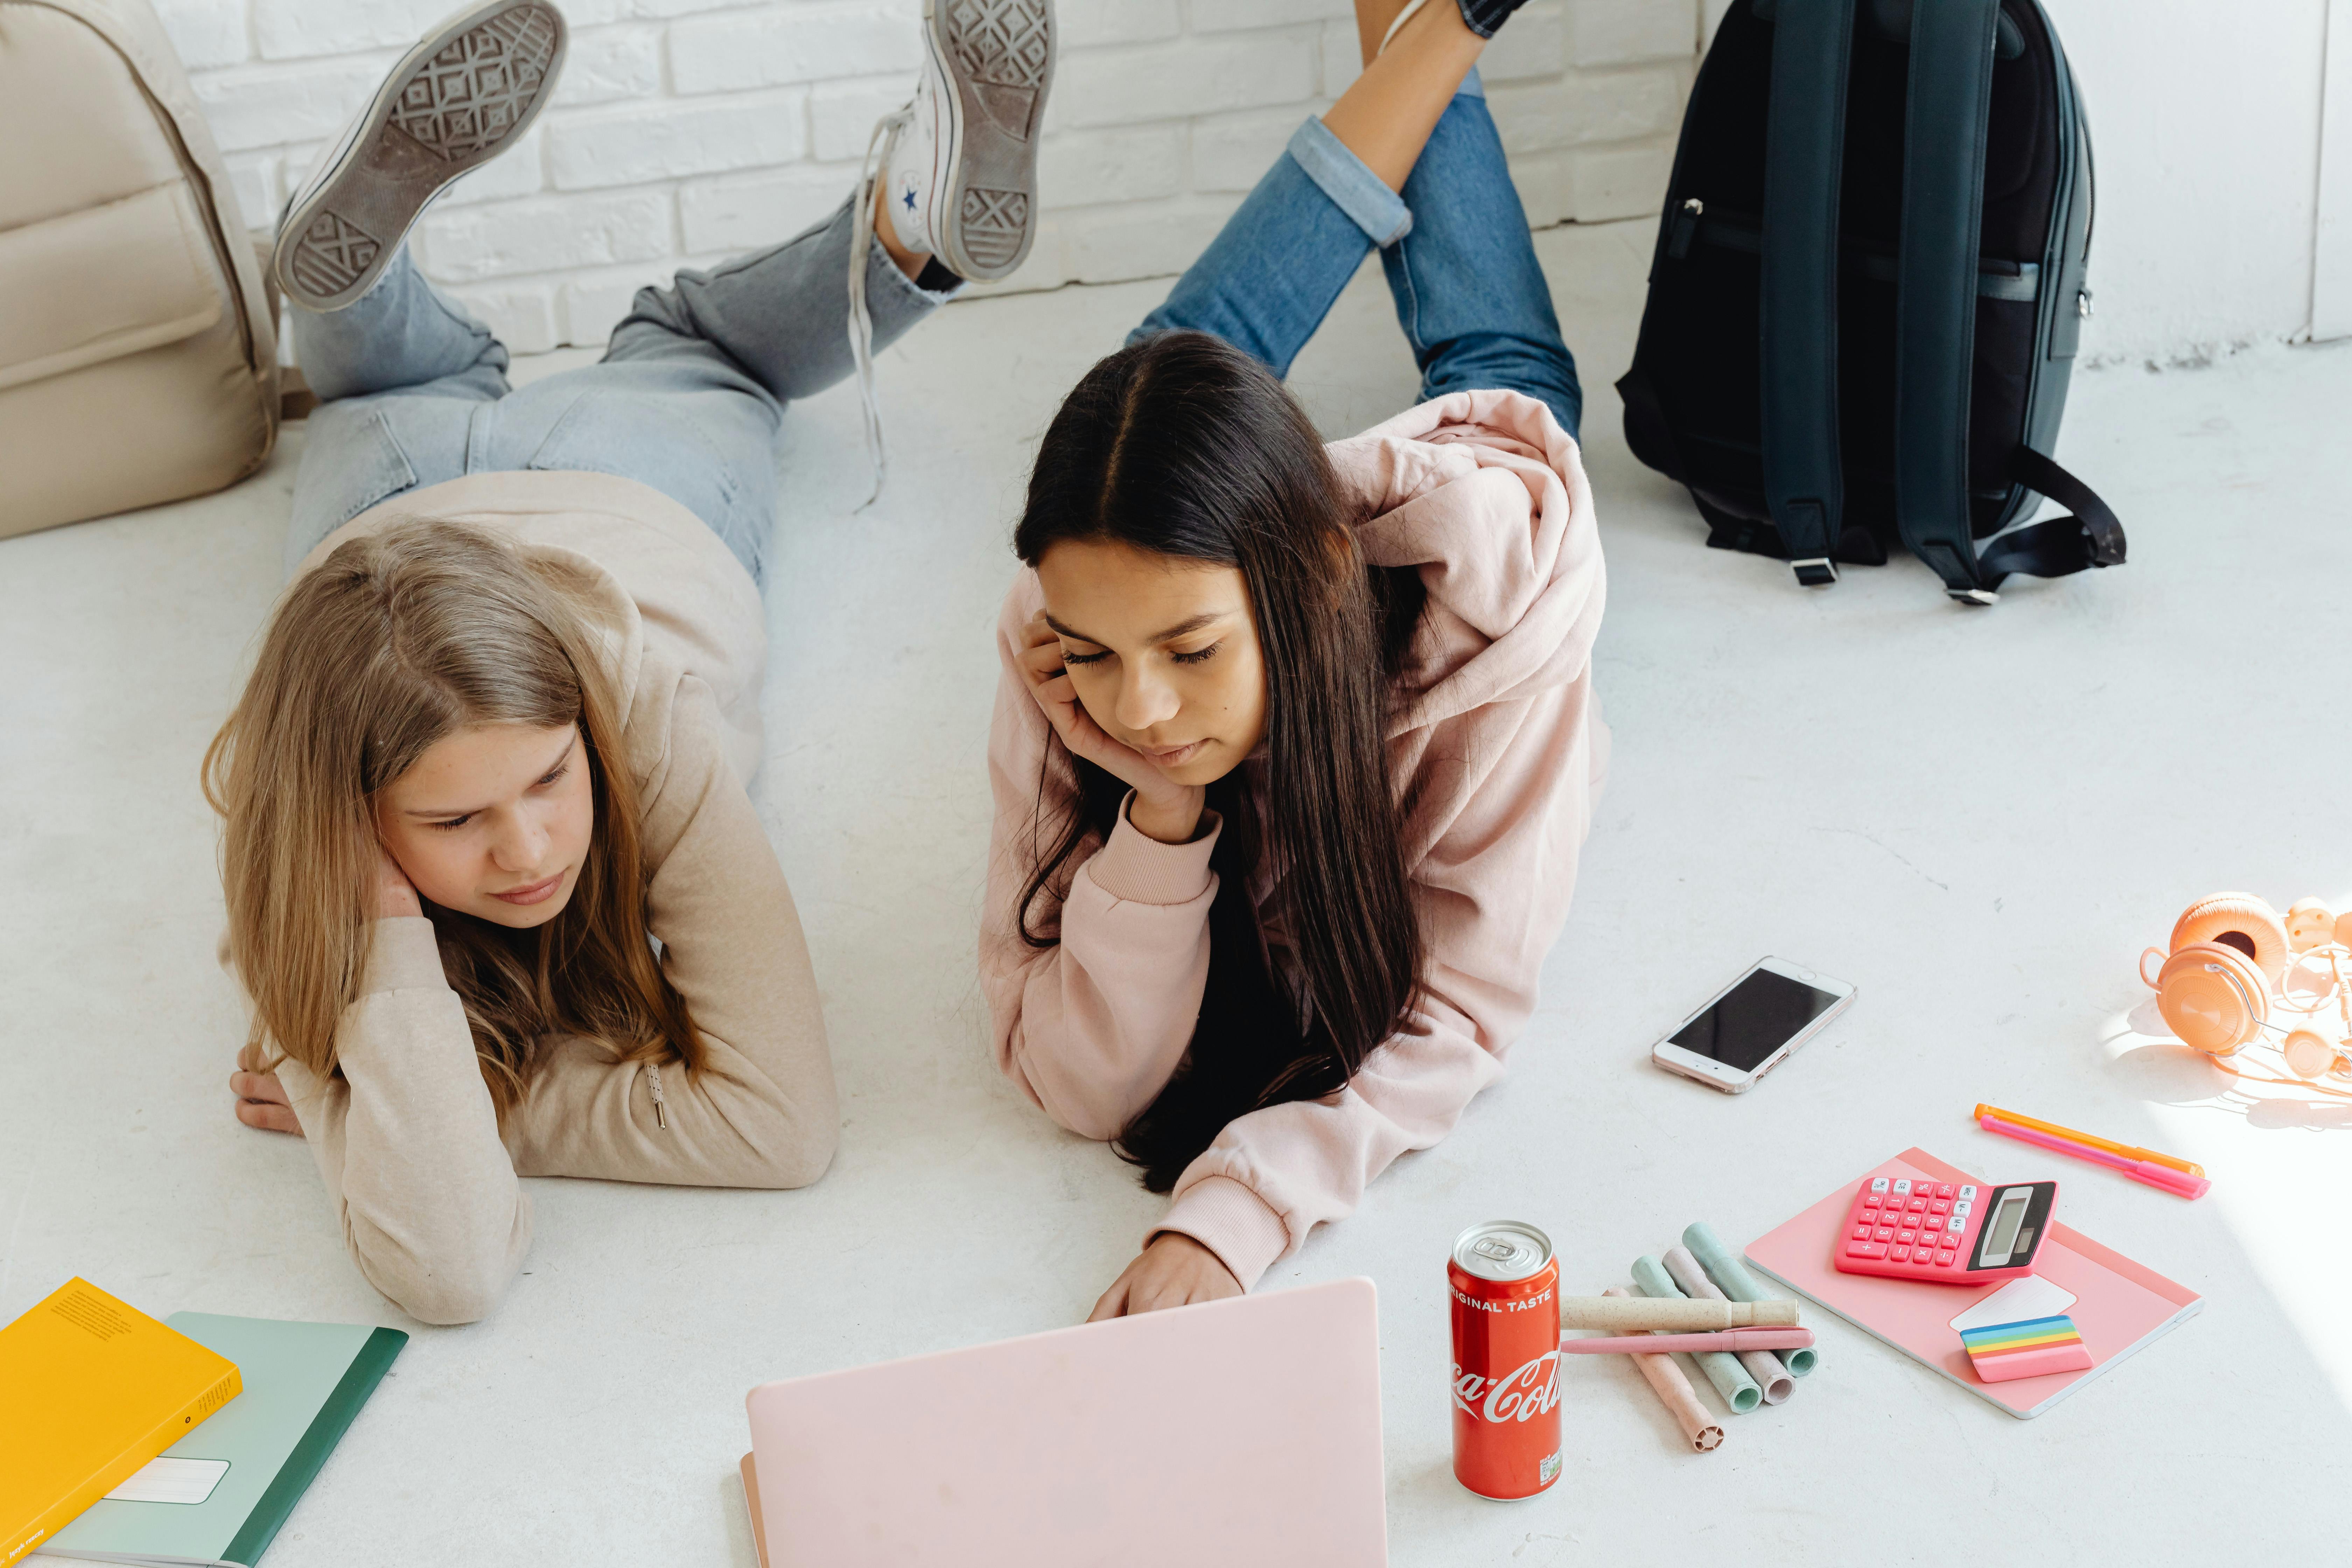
{"x":260,"y":1099}
{"x":1173,"y":1272}
{"x":395,"y":896}
{"x":1167,"y":811}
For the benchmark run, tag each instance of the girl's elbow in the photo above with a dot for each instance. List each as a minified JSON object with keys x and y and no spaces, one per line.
{"x":797,"y":1154}
{"x":443,"y":1296}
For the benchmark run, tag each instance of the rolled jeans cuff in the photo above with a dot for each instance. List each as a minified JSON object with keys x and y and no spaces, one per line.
{"x":1350,"y":183}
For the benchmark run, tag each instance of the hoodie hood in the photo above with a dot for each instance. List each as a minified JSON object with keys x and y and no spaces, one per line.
{"x":1487,"y":496}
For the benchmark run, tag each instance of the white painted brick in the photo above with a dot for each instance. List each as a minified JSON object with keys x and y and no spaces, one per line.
{"x":1134,"y":166}
{"x":1589,"y":107}
{"x":205,"y":32}
{"x":1191,"y":76}
{"x":1083,"y":24}
{"x":588,"y":308}
{"x":610,"y":64}
{"x":263,"y":106}
{"x":516,"y":172}
{"x":777,"y":45}
{"x":842,"y":114}
{"x":1620,"y":181}
{"x":1221,"y":15}
{"x":638,"y":145}
{"x":746,"y":212}
{"x":1614,"y":32}
{"x":1711,"y":14}
{"x":295,"y":29}
{"x":1108,"y":245}
{"x":665,"y":8}
{"x":548,"y":234}
{"x":1232,"y":151}
{"x":1547,"y":187}
{"x":522,"y":315}
{"x":254,"y":177}
{"x":1534,"y":43}
{"x":1343,"y":58}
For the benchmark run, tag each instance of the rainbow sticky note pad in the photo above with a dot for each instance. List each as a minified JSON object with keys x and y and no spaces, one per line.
{"x":2001,"y":1351}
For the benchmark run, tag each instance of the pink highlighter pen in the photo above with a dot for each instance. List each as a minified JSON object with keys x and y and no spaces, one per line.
{"x":2177,"y":1183}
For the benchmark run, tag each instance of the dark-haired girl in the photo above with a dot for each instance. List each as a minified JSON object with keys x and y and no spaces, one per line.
{"x":1296,"y":746}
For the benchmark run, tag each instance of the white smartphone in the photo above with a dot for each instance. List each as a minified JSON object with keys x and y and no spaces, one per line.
{"x":1751,"y":1025}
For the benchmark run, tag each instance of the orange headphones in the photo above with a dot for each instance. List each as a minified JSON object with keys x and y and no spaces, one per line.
{"x":2234,"y":957}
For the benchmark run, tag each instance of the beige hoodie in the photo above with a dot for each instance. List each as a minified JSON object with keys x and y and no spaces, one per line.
{"x":1501,"y":747}
{"x":421,"y":1174}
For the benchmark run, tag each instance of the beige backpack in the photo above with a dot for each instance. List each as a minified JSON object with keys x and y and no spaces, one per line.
{"x":138,"y":350}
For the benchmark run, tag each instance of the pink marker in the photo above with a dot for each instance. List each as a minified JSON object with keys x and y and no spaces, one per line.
{"x":2177,"y":1183}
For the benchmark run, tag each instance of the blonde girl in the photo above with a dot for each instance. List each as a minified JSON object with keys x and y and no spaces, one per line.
{"x":496,"y":890}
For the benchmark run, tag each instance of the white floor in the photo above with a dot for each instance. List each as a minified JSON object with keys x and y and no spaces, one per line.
{"x":1979,"y":817}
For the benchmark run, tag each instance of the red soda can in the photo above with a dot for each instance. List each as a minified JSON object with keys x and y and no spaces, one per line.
{"x":1505,"y":1291}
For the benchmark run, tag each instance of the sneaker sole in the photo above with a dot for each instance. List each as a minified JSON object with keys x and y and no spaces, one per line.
{"x":452,"y":103}
{"x":998,"y":55}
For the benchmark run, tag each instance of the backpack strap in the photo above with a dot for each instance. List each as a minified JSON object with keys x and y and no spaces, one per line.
{"x":1936,"y":289}
{"x":1804,"y":147}
{"x":2059,"y":545}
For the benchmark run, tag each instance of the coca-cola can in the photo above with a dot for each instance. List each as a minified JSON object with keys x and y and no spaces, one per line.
{"x":1505,"y":1291}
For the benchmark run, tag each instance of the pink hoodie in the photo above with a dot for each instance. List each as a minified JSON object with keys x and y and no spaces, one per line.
{"x":1500,"y":746}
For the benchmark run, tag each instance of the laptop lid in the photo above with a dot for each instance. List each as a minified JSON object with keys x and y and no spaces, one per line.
{"x":1238,"y":1432}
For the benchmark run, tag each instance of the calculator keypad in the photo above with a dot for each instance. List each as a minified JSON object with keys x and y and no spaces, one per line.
{"x":1921,"y":1223}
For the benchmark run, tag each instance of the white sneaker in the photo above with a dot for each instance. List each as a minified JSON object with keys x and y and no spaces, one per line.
{"x":469,"y":87}
{"x":962,"y":172}
{"x":958,"y":163}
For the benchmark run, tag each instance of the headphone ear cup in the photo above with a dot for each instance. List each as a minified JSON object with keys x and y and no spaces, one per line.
{"x":2213,"y":998}
{"x":2308,"y":1053}
{"x":2238,"y":921}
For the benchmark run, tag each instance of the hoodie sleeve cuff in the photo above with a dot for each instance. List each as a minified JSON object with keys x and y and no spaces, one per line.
{"x":1231,"y":1221}
{"x":404,"y":956}
{"x":1141,"y":870}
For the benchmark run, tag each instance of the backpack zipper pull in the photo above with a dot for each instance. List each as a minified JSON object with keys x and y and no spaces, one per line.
{"x":1678,"y":242}
{"x":652,"y":1082}
{"x":2082,"y":304}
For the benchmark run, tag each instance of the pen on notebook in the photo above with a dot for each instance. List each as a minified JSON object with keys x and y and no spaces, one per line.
{"x":2154,"y":1175}
{"x":1732,"y":1339}
{"x":2186,"y":1167}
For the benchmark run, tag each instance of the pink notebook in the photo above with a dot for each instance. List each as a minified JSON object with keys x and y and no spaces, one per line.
{"x":2119,"y":1306}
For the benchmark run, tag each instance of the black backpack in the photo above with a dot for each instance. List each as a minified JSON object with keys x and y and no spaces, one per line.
{"x":1867,"y":290}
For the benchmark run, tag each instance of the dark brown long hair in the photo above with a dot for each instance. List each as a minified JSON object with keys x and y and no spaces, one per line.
{"x":1183,"y":446}
{"x":395,"y":640}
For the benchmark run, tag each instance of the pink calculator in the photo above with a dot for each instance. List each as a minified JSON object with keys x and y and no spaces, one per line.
{"x":1951,"y":1233}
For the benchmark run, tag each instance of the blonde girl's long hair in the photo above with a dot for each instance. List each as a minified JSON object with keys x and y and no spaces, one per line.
{"x":396,"y":640}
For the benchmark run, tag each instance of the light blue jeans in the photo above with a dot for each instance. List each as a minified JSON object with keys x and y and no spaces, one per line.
{"x":1469,"y":293}
{"x":687,"y":398}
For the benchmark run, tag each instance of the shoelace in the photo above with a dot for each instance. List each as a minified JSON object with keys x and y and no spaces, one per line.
{"x":1407,"y":15}
{"x":861,"y":320}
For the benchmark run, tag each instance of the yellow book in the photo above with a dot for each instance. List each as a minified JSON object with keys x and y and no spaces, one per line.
{"x":93,"y":1390}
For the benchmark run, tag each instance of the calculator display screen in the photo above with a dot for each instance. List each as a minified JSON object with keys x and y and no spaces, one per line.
{"x":2018,"y":1217}
{"x":1755,"y":1017}
{"x":2002,"y":1233}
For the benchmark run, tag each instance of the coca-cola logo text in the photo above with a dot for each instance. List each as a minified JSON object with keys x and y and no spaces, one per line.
{"x":1527,"y":1304}
{"x":1533,"y":1389}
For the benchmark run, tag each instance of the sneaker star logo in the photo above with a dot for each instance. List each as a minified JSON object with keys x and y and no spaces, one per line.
{"x":909,"y":198}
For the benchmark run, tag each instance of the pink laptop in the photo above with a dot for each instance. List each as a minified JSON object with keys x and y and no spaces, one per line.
{"x":1238,"y":1433}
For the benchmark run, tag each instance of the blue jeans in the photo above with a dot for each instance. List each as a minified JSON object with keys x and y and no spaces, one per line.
{"x":687,"y":398}
{"x":1469,"y":294}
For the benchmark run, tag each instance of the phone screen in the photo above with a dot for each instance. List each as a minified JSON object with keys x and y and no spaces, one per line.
{"x":1753,"y":1020}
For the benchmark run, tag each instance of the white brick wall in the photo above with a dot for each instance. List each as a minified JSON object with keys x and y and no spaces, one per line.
{"x":684,"y":130}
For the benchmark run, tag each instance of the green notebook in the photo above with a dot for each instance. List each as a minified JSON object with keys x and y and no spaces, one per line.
{"x":219,"y":1494}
